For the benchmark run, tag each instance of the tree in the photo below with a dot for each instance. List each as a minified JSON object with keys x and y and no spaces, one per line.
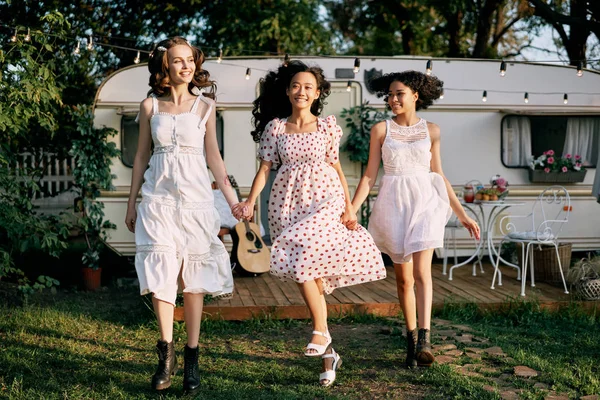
{"x":581,"y":17}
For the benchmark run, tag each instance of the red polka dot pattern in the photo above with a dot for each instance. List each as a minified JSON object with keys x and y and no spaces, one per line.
{"x":305,"y":206}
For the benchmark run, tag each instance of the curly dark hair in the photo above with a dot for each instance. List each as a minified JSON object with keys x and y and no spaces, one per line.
{"x":428,"y":87}
{"x":158,"y":65}
{"x":273,"y":101}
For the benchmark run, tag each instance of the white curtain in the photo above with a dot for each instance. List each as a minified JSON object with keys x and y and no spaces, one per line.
{"x":583,"y":137}
{"x":596,"y":187}
{"x":516,"y":141}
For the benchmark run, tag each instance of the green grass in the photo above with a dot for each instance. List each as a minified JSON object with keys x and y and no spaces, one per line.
{"x":101,"y":346}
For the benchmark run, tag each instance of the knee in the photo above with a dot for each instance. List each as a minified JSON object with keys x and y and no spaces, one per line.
{"x":405,"y":283}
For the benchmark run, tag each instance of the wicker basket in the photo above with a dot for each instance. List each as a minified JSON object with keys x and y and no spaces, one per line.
{"x":546,"y":263}
{"x":588,"y":289}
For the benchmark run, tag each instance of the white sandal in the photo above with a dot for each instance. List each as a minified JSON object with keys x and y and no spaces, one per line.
{"x":320,"y":348}
{"x":330,"y":374}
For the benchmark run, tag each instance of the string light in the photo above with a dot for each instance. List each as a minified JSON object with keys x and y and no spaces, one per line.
{"x":484,"y":98}
{"x":502,"y":68}
{"x":28,"y":36}
{"x":526,"y":98}
{"x":442,"y":95}
{"x":90,"y":44}
{"x":356,"y":65}
{"x":429,"y":67}
{"x":349,"y":87}
{"x":579,"y":68}
{"x":76,"y":50}
{"x":565,"y":98}
{"x":136,"y":60}
{"x":248,"y":72}
{"x":286,"y":59}
{"x":220,"y":58}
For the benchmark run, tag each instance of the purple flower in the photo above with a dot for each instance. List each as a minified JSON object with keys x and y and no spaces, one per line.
{"x":564,"y":169}
{"x":547,"y":170}
{"x":550,"y":160}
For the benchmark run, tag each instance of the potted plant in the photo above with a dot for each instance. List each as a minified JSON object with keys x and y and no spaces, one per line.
{"x":548,"y":168}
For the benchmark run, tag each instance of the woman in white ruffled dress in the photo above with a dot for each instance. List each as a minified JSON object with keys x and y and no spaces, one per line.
{"x":176,"y":223}
{"x":415,"y":200}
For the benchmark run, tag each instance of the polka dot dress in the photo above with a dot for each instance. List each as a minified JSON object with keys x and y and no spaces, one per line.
{"x":305,"y":206}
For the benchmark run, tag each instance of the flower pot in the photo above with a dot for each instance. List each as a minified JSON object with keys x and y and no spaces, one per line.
{"x":539,"y":176}
{"x":91,"y":278}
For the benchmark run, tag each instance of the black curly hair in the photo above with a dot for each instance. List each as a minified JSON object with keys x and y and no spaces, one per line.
{"x":273,"y":101}
{"x":158,"y":65}
{"x":428,"y":87}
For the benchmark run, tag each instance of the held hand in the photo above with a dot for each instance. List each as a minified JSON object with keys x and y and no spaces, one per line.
{"x":243,"y":210}
{"x":471,"y":226}
{"x":130,"y":218}
{"x":349,"y":219}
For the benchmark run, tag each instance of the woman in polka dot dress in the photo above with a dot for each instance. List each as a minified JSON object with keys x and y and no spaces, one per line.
{"x":309,"y":205}
{"x":415,"y":200}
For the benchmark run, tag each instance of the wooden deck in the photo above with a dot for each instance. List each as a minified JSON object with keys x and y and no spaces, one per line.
{"x":266,"y":296}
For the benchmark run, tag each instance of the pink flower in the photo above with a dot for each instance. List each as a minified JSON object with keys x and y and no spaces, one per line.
{"x":577,"y":157}
{"x":550,"y":152}
{"x":564,"y":169}
{"x":568,"y":156}
{"x":547,"y":170}
{"x":550,"y":160}
{"x":501,"y":182}
{"x":578,"y":164}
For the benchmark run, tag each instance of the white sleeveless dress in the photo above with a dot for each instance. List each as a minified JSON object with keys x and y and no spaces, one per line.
{"x":412,"y":206}
{"x":177,"y":221}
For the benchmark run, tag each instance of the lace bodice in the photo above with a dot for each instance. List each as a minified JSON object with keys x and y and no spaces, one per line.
{"x":406,"y":149}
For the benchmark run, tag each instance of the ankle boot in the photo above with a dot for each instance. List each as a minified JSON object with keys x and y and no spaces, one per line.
{"x":191,"y":372}
{"x":167,"y":365}
{"x":411,"y":348}
{"x":424,"y":354}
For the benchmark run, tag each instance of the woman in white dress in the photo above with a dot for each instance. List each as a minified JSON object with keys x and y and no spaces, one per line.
{"x":176,"y":223}
{"x":415,"y":199}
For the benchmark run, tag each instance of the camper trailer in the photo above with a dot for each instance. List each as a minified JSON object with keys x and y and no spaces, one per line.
{"x":491,"y":122}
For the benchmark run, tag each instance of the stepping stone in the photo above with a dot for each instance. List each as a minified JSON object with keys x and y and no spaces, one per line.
{"x":475,"y":350}
{"x":489,"y":388}
{"x":525,"y":372}
{"x":464,"y":328}
{"x":472,"y":355}
{"x":494,"y":351}
{"x":542,"y":386}
{"x":442,"y":322}
{"x":480,"y":339}
{"x":444,"y":347}
{"x":509,"y":395}
{"x":454,"y":353}
{"x":554,"y":396}
{"x":464,"y":338}
{"x":386,"y":330}
{"x":590,"y":397}
{"x":467,"y":372}
{"x":444,"y":359}
{"x":445,"y":332}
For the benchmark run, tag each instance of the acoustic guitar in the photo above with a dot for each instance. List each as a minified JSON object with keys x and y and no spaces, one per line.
{"x":249,"y":250}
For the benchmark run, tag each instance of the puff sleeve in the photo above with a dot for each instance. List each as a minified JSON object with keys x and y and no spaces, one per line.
{"x":334,"y":136}
{"x":267,"y":148}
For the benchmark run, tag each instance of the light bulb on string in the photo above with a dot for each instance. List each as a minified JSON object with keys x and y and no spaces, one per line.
{"x":502,"y":68}
{"x":442,"y":95}
{"x":220,"y":58}
{"x":90,"y":44}
{"x":565,"y":99}
{"x":13,"y":38}
{"x":526,"y":98}
{"x":248,"y":72}
{"x":76,"y":50}
{"x":484,"y":98}
{"x":579,"y":68}
{"x":429,"y":67}
{"x":286,"y":59}
{"x":136,"y":60}
{"x":356,"y":65}
{"x":349,"y":86}
{"x":28,"y":36}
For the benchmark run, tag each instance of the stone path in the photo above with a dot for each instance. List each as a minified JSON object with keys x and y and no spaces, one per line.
{"x":472,"y":355}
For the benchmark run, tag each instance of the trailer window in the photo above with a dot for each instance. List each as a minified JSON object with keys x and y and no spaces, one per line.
{"x":130,"y":132}
{"x":524,"y":136}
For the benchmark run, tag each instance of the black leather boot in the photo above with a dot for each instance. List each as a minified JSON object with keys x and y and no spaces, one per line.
{"x":424,"y":354}
{"x":167,"y":365}
{"x":191,"y":372}
{"x":411,"y":348}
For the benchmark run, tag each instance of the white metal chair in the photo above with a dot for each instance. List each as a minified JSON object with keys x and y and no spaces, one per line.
{"x":452,"y":225}
{"x":548,"y":215}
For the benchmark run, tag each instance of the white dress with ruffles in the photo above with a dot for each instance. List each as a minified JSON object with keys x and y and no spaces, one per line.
{"x":412,"y":206}
{"x":177,"y":222}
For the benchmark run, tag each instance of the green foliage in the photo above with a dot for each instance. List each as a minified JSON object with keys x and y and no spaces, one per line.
{"x":92,"y":151}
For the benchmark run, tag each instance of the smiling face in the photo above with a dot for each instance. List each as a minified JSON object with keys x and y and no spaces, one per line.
{"x":181,"y":64}
{"x":303,"y":90}
{"x":401,"y":98}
